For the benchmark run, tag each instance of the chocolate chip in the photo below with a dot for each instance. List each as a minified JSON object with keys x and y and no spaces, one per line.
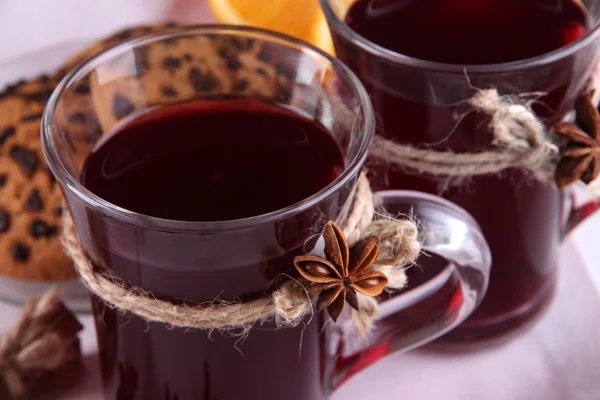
{"x":122,"y":106}
{"x":169,"y":41}
{"x":26,"y":158}
{"x":171,"y":24}
{"x":40,"y":97}
{"x":171,"y":63}
{"x":125,"y":34}
{"x":4,"y":221}
{"x":39,"y":228}
{"x":51,"y":178}
{"x":240,"y":85}
{"x":11,"y":88}
{"x":6,"y":133}
{"x":34,"y":201}
{"x":261,"y":71}
{"x":202,"y":82}
{"x":58,"y":211}
{"x":264,"y":55}
{"x":3,"y":179}
{"x":282,"y":70}
{"x":83,"y":88}
{"x":44,"y":78}
{"x":77,"y":117}
{"x":20,"y":252}
{"x":231,"y":60}
{"x":240,"y":44}
{"x":8,"y":90}
{"x":168,"y":91}
{"x":187,"y":57}
{"x":32,"y":117}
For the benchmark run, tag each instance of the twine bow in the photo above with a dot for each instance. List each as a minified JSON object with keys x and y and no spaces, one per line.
{"x":288,"y":305}
{"x":520,"y":141}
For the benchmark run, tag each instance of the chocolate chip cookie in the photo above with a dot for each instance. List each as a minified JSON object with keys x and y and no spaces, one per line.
{"x":30,"y":200}
{"x":113,"y":39}
{"x":183,"y":69}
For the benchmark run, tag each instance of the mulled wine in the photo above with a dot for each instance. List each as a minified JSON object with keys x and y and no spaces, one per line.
{"x":209,"y":161}
{"x":469,"y":31}
{"x":213,"y":161}
{"x":427,"y":107}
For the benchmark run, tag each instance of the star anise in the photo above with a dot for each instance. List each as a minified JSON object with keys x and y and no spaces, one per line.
{"x":581,"y":155}
{"x":343,"y":272}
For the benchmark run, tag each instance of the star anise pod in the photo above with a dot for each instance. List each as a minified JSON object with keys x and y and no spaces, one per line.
{"x":343,"y":272}
{"x":581,"y":155}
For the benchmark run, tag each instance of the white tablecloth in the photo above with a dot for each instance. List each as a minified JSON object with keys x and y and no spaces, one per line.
{"x":559,"y":359}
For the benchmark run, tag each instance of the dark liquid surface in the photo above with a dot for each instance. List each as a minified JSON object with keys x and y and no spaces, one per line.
{"x":520,"y":217}
{"x":469,"y":31}
{"x":213,"y":161}
{"x":208,"y":161}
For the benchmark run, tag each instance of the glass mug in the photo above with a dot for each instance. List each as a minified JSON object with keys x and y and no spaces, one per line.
{"x":425,"y":104}
{"x":193,"y":261}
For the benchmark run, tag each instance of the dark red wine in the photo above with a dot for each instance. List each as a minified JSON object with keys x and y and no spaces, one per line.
{"x":212,"y":161}
{"x":520,"y":218}
{"x":469,"y":31}
{"x":208,"y":161}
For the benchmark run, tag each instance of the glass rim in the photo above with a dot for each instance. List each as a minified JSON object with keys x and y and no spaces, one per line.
{"x":66,"y":179}
{"x":399,"y":58}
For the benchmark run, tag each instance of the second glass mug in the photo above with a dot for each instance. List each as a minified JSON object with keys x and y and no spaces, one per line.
{"x":425,"y":104}
{"x":240,"y":259}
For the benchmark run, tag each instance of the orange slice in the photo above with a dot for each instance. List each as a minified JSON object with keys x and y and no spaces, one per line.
{"x":302,"y":19}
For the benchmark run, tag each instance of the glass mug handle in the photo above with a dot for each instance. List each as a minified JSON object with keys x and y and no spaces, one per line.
{"x":454,"y":242}
{"x":580,"y":201}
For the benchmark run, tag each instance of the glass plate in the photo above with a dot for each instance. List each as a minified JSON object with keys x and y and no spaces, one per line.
{"x":18,"y":291}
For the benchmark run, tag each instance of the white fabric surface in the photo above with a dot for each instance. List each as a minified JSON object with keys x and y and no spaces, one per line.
{"x":559,"y":359}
